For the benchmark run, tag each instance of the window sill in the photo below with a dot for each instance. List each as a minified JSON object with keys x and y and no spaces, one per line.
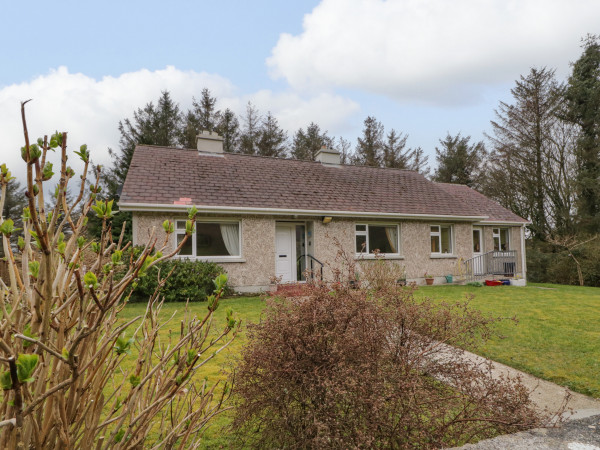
{"x":215,"y":259}
{"x":387,"y":257}
{"x":443,"y":256}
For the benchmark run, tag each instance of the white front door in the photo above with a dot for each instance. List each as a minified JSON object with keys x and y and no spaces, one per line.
{"x":285,"y":252}
{"x":477,"y":251}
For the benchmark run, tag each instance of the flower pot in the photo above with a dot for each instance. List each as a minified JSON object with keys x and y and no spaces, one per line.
{"x":429,"y":281}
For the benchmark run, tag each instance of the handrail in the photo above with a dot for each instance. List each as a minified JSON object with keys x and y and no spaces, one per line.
{"x":316,"y":260}
{"x":312,"y":258}
{"x":495,"y":253}
{"x":495,"y":262}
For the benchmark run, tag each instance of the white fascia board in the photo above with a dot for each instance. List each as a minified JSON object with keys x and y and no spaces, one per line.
{"x":148,"y":207}
{"x":506,"y":222}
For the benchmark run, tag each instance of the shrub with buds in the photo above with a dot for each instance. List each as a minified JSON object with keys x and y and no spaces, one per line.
{"x":64,"y":371}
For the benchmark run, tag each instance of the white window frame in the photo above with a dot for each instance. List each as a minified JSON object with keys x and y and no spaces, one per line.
{"x":193,"y":256}
{"x":367,"y":253}
{"x":497,"y":234}
{"x":438,"y":234}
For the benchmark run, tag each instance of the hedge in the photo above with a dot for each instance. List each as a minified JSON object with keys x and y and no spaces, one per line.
{"x":191,"y":280}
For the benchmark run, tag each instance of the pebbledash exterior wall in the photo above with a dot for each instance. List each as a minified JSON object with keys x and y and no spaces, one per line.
{"x":415,"y":246}
{"x":256,"y":266}
{"x":255,"y":270}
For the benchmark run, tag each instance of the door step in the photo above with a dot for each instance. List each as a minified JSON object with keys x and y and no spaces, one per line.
{"x":291,"y":290}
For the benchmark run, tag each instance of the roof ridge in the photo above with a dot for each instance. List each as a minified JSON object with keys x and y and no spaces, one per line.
{"x":453,"y":184}
{"x":165,"y":146}
{"x":277,"y":158}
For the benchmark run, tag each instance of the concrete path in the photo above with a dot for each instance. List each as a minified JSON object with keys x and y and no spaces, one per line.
{"x":581,"y":430}
{"x":544,"y":393}
{"x":581,"y":434}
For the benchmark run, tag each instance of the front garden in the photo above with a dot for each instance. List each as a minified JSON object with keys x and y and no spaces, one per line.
{"x":556,"y":337}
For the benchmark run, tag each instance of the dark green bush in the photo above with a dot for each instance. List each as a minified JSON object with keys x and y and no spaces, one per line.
{"x":191,"y":280}
{"x":540,"y":257}
{"x":547,"y":263}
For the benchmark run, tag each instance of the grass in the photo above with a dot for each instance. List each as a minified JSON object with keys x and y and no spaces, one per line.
{"x":557,"y":337}
{"x":248,"y":309}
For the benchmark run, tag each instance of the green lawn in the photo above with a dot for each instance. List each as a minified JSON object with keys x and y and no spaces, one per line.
{"x":558,"y":334}
{"x":248,"y":309}
{"x":557,"y":337}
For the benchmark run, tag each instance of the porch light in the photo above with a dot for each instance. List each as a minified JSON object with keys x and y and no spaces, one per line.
{"x":327,"y":219}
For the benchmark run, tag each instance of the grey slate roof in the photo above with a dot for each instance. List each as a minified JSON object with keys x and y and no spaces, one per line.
{"x":163,"y":176}
{"x":481,"y":203}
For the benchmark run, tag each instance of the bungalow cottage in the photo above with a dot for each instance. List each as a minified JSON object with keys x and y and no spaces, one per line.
{"x":269,"y":217}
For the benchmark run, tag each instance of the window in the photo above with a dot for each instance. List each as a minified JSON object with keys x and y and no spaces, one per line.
{"x":477,"y":240}
{"x":441,"y":239}
{"x":501,"y":239}
{"x":371,"y":237}
{"x":211,"y":239}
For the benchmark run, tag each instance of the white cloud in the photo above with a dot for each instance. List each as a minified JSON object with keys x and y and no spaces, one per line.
{"x":430,"y":50}
{"x":294,"y":111}
{"x":89,"y":110}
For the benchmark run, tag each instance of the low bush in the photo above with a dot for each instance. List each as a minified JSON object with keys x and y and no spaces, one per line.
{"x":380,"y":272}
{"x":190,"y":280}
{"x":547,"y":263}
{"x":371,"y":369}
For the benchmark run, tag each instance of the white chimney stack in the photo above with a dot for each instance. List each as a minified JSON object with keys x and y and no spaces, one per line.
{"x":209,"y":142}
{"x":328,"y":156}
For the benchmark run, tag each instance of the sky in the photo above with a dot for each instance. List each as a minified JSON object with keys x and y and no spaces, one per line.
{"x":422,"y":67}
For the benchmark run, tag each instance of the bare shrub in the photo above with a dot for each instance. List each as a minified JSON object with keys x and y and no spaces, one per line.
{"x":74,"y":374}
{"x":347,"y":369}
{"x":344,"y":268}
{"x":380,"y":273}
